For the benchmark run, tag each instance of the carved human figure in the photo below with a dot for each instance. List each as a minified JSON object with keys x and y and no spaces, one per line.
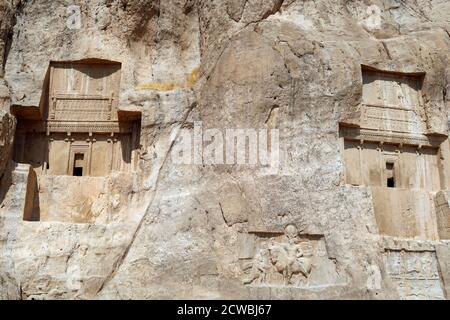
{"x":288,"y":257}
{"x":260,"y":265}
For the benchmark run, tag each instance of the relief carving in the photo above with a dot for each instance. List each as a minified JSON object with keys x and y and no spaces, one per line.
{"x":78,"y":131}
{"x":260,"y":266}
{"x":443,"y":214}
{"x":393,"y":153}
{"x":392,"y":102}
{"x":288,"y":259}
{"x":414,"y":273}
{"x":78,"y":139}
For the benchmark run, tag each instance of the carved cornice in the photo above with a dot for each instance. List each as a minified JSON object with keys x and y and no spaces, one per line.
{"x":107,"y":126}
{"x":80,"y":127}
{"x":392,"y":137}
{"x":81,"y":107}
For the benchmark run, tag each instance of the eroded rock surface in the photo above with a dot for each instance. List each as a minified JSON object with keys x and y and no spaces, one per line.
{"x":352,"y":97}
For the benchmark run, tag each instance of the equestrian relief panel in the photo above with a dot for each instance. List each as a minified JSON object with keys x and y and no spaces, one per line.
{"x":287,"y":259}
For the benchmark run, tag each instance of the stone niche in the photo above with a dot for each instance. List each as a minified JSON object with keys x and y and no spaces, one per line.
{"x":392,"y":153}
{"x":78,"y":130}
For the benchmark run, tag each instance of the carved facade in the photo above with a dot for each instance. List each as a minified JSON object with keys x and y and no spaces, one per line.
{"x":394,"y":154}
{"x":415,"y":274}
{"x":78,"y":130}
{"x":415,"y":268}
{"x":75,"y":141}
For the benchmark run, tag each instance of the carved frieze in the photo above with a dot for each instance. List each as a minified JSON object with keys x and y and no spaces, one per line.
{"x":388,"y":118}
{"x":392,"y":109}
{"x":415,"y":274}
{"x":392,"y":102}
{"x":443,"y":213}
{"x":78,"y":130}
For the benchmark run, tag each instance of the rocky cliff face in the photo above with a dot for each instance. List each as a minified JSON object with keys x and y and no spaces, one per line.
{"x":7,"y":14}
{"x":290,"y":228}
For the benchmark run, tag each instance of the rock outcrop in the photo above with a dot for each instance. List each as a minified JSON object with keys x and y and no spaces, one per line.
{"x":311,"y":84}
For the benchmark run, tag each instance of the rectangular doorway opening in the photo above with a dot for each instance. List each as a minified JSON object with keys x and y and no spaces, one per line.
{"x":390,"y":183}
{"x":390,"y":180}
{"x":78,"y":165}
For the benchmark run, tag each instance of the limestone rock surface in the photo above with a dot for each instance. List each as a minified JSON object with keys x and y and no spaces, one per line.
{"x":205,"y":231}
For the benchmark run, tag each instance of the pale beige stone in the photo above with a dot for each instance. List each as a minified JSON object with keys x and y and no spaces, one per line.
{"x":359,"y":107}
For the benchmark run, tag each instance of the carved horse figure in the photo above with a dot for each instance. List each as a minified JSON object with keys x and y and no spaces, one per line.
{"x":288,"y":260}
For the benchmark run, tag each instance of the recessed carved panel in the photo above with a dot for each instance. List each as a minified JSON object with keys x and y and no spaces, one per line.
{"x":66,"y":108}
{"x":81,"y":114}
{"x":84,"y":92}
{"x":391,"y":119}
{"x":414,"y":274}
{"x":392,"y":153}
{"x":392,"y":102}
{"x":286,"y":259}
{"x":372,"y":164}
